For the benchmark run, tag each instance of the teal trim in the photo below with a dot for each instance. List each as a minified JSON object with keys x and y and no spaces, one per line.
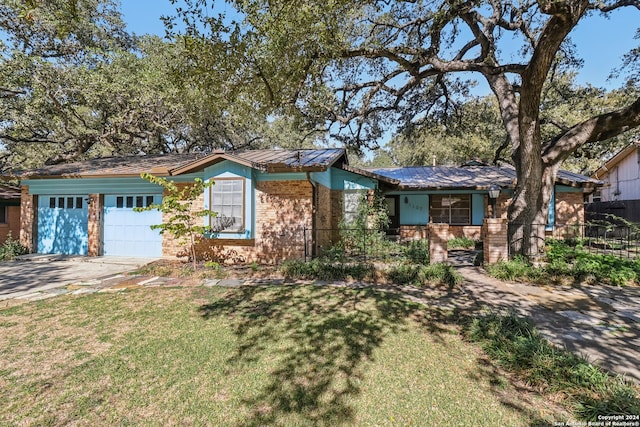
{"x":415,"y":210}
{"x":551,"y":214}
{"x":282,"y":176}
{"x":322,"y":178}
{"x":567,"y":189}
{"x":228,"y":169}
{"x":477,"y":208}
{"x":73,"y":186}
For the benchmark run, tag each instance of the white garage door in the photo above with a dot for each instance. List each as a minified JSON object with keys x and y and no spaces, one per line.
{"x":127,"y":232}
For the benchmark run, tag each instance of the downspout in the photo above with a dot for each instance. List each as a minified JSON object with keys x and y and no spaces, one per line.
{"x":314,"y":209}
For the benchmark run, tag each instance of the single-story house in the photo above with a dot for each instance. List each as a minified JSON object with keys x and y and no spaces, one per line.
{"x":458,"y":196}
{"x":620,"y":194}
{"x":9,"y":212}
{"x":276,"y":200}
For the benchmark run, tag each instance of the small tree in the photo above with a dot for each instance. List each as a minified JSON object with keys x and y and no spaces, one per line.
{"x":184,"y":222}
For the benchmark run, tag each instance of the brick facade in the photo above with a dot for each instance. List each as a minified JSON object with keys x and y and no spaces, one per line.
{"x":12,"y":225}
{"x":283,"y":209}
{"x":28,"y":218}
{"x":569,"y":215}
{"x":496,"y":247}
{"x":329,"y":213}
{"x":95,"y":224}
{"x":438,"y":237}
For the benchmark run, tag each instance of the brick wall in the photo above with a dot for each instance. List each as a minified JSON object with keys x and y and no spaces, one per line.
{"x":438,"y":237}
{"x":28,"y":218}
{"x":328,"y":217}
{"x":496,"y":246}
{"x":569,"y":214}
{"x":12,"y":226}
{"x":283,"y":209}
{"x":94,"y":226}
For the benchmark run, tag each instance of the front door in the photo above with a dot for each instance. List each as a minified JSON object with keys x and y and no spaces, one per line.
{"x":393,"y":209}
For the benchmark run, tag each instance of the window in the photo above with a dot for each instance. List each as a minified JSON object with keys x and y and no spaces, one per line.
{"x":130,"y":202}
{"x":454,"y":209}
{"x":351,"y":205}
{"x":227,"y":200}
{"x":3,"y":214}
{"x":66,"y":202}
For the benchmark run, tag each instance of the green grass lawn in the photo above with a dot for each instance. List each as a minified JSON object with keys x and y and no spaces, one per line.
{"x":286,"y":356}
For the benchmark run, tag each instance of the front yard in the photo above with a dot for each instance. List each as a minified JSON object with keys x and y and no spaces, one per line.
{"x":260,"y":355}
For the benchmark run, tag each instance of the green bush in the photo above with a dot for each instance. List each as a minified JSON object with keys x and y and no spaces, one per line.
{"x":11,"y":248}
{"x":516,"y":269}
{"x":417,"y":251}
{"x":323,"y":269}
{"x":461,"y":243}
{"x":421,"y":275}
{"x":516,"y":345}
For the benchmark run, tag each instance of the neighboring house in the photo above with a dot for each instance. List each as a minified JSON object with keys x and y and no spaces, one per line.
{"x":9,"y":212}
{"x":620,"y":194}
{"x":282,"y":203}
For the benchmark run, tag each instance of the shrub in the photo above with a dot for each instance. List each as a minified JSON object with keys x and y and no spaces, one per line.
{"x":516,"y":345}
{"x":11,"y":248}
{"x":461,"y":243}
{"x":417,"y":251}
{"x":516,"y":269}
{"x":421,"y":275}
{"x":322,"y":269}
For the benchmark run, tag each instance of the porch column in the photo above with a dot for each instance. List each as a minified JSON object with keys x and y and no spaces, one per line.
{"x":438,"y":236}
{"x":94,"y":227}
{"x":496,"y":244}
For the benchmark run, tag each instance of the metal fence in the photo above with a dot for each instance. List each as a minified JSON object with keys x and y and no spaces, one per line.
{"x":621,"y":240}
{"x":351,"y":243}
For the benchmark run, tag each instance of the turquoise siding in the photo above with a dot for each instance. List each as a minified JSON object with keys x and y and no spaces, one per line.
{"x":338,"y":179}
{"x":227,"y":169}
{"x":477,"y":208}
{"x":414,"y":210}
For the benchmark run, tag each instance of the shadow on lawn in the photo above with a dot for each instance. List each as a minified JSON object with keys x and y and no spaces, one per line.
{"x":324,"y":337}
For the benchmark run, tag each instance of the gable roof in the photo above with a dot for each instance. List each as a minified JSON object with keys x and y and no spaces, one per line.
{"x":617,"y":158}
{"x":9,"y":192}
{"x":469,"y":177}
{"x":176,"y":164}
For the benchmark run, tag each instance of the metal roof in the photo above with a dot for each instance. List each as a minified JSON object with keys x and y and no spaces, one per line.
{"x":9,"y":192}
{"x":468,"y":177}
{"x":173,"y":164}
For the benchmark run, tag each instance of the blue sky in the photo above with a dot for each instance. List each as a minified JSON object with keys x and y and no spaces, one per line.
{"x":600,"y":42}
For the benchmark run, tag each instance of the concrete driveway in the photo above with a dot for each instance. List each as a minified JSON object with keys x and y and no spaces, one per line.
{"x":36,"y":273}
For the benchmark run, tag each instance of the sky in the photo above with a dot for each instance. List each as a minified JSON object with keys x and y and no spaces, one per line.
{"x":601,"y":42}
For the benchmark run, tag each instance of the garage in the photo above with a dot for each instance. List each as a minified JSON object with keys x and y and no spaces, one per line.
{"x":127,"y":232}
{"x":62,"y":224}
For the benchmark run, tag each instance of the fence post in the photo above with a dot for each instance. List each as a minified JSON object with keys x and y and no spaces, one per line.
{"x":438,"y":236}
{"x":496,"y":243}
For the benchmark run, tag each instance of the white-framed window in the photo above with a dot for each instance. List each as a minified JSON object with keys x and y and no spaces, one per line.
{"x":351,"y":204}
{"x":227,"y":200}
{"x":454,"y":209}
{"x":60,"y":202}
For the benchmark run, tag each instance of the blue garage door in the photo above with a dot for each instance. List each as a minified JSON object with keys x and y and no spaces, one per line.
{"x":128,"y":233}
{"x":62,"y":225}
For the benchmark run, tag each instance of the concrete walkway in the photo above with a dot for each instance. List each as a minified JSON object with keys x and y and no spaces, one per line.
{"x":42,"y":276}
{"x":599,"y":322}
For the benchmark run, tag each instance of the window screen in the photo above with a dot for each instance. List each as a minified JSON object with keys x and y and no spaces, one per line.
{"x":227,"y":200}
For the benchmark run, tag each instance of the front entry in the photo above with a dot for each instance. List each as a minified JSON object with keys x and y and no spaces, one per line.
{"x":392,"y":204}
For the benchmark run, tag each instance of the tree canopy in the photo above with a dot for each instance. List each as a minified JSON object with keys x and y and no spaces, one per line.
{"x":361,"y":68}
